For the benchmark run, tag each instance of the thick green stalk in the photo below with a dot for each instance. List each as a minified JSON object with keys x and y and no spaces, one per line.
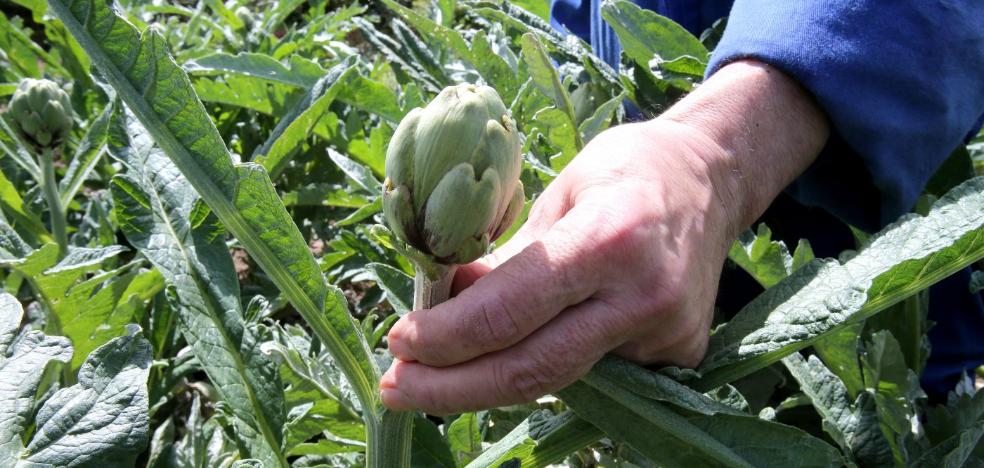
{"x":389,"y":437}
{"x":50,"y":188}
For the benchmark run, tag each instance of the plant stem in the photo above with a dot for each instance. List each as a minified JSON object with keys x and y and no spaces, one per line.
{"x":389,"y":437}
{"x":431,"y":290}
{"x":57,"y":212}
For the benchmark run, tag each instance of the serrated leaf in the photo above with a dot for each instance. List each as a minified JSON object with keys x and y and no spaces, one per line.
{"x":906,"y":257}
{"x":853,"y":425}
{"x":768,"y":261}
{"x":155,"y":207}
{"x":159,"y":93}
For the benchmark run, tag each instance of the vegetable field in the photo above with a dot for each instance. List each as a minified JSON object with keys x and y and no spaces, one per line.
{"x":196,"y":272}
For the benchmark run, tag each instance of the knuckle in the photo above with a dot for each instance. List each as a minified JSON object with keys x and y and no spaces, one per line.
{"x":494,"y":325}
{"x":526,"y":379}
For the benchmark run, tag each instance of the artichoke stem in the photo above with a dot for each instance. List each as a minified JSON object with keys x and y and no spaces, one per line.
{"x":434,"y":288}
{"x":52,"y":197}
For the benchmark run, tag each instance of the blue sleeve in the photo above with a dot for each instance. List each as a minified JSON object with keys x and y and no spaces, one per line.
{"x":901,"y":82}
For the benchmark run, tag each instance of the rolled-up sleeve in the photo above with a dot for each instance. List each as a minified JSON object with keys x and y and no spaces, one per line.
{"x":901,"y":82}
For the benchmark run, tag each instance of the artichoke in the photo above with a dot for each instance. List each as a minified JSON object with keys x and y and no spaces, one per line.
{"x":452,"y":175}
{"x":42,"y":112}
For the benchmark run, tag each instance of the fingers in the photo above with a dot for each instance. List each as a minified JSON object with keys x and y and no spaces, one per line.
{"x":504,"y":306}
{"x":549,"y":359}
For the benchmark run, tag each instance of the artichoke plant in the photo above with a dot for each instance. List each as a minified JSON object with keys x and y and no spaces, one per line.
{"x":42,"y":112}
{"x":452,"y":175}
{"x":42,"y":116}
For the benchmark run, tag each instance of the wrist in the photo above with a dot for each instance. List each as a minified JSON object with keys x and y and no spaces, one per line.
{"x":757,"y":130}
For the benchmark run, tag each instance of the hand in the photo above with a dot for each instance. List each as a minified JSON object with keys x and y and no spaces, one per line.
{"x":621,"y":253}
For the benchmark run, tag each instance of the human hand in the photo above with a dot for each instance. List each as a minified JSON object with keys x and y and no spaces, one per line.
{"x":620,"y":254}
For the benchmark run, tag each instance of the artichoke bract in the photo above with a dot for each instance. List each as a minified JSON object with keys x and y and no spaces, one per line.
{"x":42,"y":112}
{"x":452,"y":175}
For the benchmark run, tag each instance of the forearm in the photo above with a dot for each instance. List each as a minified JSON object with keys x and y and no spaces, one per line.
{"x":763,"y":130}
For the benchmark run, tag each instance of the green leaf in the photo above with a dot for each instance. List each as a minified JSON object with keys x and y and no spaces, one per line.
{"x":319,"y":194}
{"x":20,"y":375}
{"x":839,"y":351}
{"x":309,"y":420}
{"x":159,"y":93}
{"x":601,"y":118}
{"x":493,"y":68}
{"x":294,"y":128}
{"x":560,"y":132}
{"x":429,"y":447}
{"x":954,"y":452}
{"x":645,"y":34}
{"x":23,"y":217}
{"x":87,"y":155}
{"x":715,"y":434}
{"x":14,"y":148}
{"x":97,"y":310}
{"x":895,"y":388}
{"x":768,"y":261}
{"x":397,"y":285}
{"x":465,"y":438}
{"x":359,"y":173}
{"x":853,"y":425}
{"x":156,"y":210}
{"x":102,"y":420}
{"x":299,"y":73}
{"x":906,"y":257}
{"x":539,"y":440}
{"x":545,"y":77}
{"x":370,"y":96}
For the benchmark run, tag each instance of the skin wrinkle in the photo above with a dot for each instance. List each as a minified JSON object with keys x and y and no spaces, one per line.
{"x":645,"y":214}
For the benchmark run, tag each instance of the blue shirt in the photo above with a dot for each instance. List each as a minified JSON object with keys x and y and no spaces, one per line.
{"x":902,"y":84}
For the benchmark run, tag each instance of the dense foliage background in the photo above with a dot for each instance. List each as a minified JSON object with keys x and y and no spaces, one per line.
{"x":199,"y":316}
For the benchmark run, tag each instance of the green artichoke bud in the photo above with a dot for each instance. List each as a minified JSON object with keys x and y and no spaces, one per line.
{"x":42,"y":112}
{"x":452,"y":175}
{"x":246,"y":16}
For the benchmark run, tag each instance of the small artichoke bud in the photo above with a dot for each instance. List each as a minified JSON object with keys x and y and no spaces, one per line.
{"x":452,"y":175}
{"x":246,"y":16}
{"x":42,"y":112}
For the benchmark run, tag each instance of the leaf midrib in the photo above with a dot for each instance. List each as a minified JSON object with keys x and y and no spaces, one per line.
{"x":210,"y":306}
{"x":223,"y":207}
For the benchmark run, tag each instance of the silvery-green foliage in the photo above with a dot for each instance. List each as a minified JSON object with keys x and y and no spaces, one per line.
{"x":100,"y":421}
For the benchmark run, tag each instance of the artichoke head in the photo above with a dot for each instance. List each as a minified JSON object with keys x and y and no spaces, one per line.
{"x":452,"y":175}
{"x":42,"y":112}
